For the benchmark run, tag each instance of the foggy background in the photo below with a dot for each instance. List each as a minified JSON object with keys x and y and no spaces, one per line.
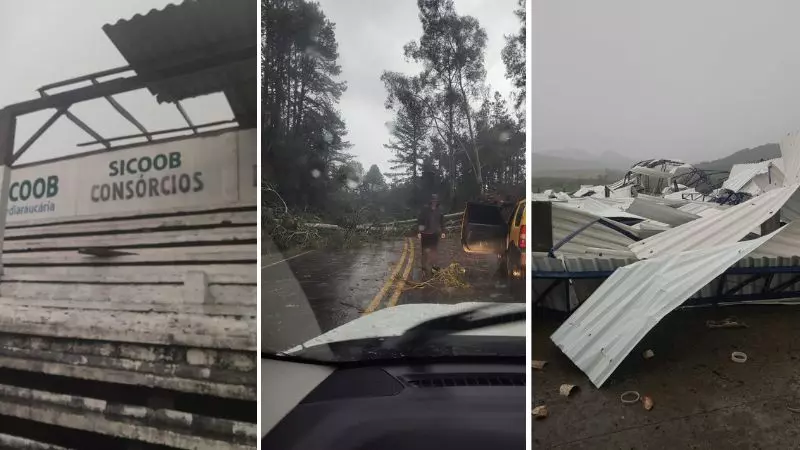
{"x":681,"y":79}
{"x":46,"y":41}
{"x":371,"y":35}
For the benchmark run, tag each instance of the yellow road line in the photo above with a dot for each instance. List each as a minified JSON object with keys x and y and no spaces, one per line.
{"x":376,"y":301}
{"x":400,"y":284}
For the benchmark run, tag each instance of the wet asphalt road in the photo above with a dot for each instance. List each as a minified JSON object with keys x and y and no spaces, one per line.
{"x":702,"y":399}
{"x":304,"y":295}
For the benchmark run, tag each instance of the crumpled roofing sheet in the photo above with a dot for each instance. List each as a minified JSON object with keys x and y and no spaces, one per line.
{"x":731,"y":281}
{"x":648,"y":172}
{"x":703,"y":209}
{"x":567,"y":220}
{"x":754,"y":178}
{"x":602,"y":208}
{"x":727,"y":227}
{"x":617,"y":184}
{"x":604,"y":330}
{"x":579,"y":289}
{"x":786,"y":244}
{"x":791,"y":210}
{"x":790,"y":150}
{"x":660,"y":212}
{"x":672,"y":202}
{"x":585,"y":189}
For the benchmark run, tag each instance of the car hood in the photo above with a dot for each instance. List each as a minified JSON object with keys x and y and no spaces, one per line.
{"x":397,"y":320}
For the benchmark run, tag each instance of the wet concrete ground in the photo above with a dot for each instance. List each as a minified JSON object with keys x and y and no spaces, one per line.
{"x":306,"y":294}
{"x":702,"y":399}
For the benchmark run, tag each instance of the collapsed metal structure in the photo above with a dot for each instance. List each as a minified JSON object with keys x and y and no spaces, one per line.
{"x":619,"y":259}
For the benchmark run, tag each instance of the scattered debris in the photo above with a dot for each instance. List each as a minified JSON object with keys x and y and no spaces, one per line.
{"x":730,"y":322}
{"x":540,"y":412}
{"x":739,"y":357}
{"x":630,"y":397}
{"x":648,"y":354}
{"x":566,"y":389}
{"x":647,"y":402}
{"x":538,"y":365}
{"x":794,"y":410}
{"x":450,"y":277}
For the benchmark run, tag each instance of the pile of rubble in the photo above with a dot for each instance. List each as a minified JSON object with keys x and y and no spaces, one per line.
{"x":623,"y":256}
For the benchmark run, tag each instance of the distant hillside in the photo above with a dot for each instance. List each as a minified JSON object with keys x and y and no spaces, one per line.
{"x":570,"y":181}
{"x":748,"y":155}
{"x":576,"y":162}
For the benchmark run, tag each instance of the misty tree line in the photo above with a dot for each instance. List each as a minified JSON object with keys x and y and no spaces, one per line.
{"x":450,"y":134}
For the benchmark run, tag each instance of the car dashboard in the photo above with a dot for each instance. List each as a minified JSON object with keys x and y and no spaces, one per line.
{"x":392,"y":407}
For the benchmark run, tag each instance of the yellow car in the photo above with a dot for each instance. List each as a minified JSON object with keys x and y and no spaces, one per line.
{"x":488,"y":228}
{"x":516,"y":243}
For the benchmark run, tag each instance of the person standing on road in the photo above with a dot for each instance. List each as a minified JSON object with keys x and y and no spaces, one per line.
{"x":431,"y":228}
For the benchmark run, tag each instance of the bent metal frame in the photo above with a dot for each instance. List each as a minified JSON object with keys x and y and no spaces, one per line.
{"x":62,"y":101}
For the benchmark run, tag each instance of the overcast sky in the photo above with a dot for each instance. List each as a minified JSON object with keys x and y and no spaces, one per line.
{"x":39,"y":48}
{"x":685,"y":79}
{"x":371,"y":35}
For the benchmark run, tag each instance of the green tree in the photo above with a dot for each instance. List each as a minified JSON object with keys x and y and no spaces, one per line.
{"x":451,"y":52}
{"x":373,"y":180}
{"x":447,"y":136}
{"x":409,"y":130}
{"x":303,"y":133}
{"x":514,"y":56}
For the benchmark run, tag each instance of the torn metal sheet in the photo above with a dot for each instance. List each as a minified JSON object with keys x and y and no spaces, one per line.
{"x":660,"y":213}
{"x":744,"y":284}
{"x":598,"y":207}
{"x":790,"y":150}
{"x":791,"y":210}
{"x":786,"y":244}
{"x":589,"y":190}
{"x":555,"y":294}
{"x":605,"y":329}
{"x":755,"y":178}
{"x":586,"y":273}
{"x":703,"y":209}
{"x":672,"y":202}
{"x":648,"y":228}
{"x":728,"y":227}
{"x":648,"y":172}
{"x":575,"y":230}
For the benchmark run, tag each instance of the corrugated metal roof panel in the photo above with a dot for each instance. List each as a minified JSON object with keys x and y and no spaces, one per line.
{"x":702,"y":209}
{"x":791,"y":210}
{"x":660,"y":213}
{"x":790,"y":150}
{"x":663,"y":200}
{"x":578,"y":264}
{"x":601,"y":208}
{"x":586,"y":189}
{"x":603,"y":331}
{"x":786,"y":244}
{"x":195,"y":32}
{"x":567,"y":220}
{"x":727,"y":227}
{"x":742,"y":174}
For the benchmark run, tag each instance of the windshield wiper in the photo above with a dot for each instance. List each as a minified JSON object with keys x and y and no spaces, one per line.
{"x":447,"y":325}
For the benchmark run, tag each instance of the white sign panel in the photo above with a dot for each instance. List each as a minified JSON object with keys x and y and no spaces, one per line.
{"x":42,"y":192}
{"x":193,"y":172}
{"x":248,"y":172}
